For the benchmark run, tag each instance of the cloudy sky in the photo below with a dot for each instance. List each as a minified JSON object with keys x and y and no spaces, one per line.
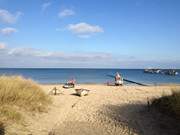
{"x":90,"y":33}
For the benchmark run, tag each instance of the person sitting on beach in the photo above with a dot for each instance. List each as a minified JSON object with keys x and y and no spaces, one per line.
{"x":118,"y":79}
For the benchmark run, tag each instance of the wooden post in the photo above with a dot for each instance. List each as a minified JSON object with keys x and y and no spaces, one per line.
{"x":55,"y":90}
{"x":148,"y":104}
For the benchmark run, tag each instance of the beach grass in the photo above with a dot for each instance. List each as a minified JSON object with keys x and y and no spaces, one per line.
{"x":169,"y":104}
{"x":1,"y":128}
{"x":18,"y":93}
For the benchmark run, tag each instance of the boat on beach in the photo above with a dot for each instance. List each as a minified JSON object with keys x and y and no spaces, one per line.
{"x":69,"y":84}
{"x":82,"y":92}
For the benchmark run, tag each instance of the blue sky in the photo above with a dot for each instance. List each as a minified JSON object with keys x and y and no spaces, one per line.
{"x":90,"y":33}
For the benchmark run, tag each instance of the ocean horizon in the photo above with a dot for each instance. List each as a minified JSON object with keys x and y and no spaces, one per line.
{"x":88,"y":75}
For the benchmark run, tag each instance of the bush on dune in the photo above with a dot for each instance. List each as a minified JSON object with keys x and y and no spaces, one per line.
{"x":169,"y":104}
{"x":15,"y":91}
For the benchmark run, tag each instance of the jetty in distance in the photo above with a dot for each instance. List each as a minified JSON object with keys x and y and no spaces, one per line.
{"x":171,"y":72}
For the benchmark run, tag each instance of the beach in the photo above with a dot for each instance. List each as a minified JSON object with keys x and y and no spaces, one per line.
{"x":89,"y":67}
{"x":107,"y":110}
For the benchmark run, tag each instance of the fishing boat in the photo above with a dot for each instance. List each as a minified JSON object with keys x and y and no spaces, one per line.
{"x":126,"y":80}
{"x":67,"y":86}
{"x":82,"y":92}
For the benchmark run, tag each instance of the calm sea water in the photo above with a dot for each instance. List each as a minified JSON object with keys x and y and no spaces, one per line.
{"x":89,"y":75}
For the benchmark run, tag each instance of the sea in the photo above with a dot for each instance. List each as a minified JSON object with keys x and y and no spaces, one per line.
{"x":90,"y":76}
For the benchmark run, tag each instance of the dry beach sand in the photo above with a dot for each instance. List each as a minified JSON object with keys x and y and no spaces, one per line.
{"x":107,"y":110}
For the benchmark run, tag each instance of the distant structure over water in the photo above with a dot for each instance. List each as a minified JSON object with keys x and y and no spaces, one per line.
{"x":171,"y":72}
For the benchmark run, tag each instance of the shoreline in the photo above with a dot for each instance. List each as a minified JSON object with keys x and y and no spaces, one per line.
{"x":105,"y":84}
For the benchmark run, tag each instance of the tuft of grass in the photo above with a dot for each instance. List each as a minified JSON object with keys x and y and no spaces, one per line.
{"x":18,"y":92}
{"x":169,"y":104}
{"x":9,"y":113}
{"x":1,"y":128}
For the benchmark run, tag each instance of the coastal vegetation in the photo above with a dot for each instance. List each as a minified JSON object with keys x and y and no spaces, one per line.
{"x":1,"y":128}
{"x":170,"y":104}
{"x":19,"y":94}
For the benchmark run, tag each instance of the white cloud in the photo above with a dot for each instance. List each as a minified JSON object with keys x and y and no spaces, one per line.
{"x":31,"y":57}
{"x":7,"y":17}
{"x":31,"y":52}
{"x":66,"y":12}
{"x":2,"y":45}
{"x":84,"y":29}
{"x":44,"y":6}
{"x":8,"y":31}
{"x":36,"y":58}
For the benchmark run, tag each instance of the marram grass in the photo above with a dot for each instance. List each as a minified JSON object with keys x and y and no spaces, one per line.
{"x":169,"y":104}
{"x":1,"y":129}
{"x":9,"y":113}
{"x":17,"y":92}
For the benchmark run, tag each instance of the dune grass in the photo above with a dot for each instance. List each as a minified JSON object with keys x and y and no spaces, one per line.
{"x":1,"y":128}
{"x":17,"y":93}
{"x":169,"y":104}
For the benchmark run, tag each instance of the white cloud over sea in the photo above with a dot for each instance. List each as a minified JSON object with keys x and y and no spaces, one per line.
{"x":22,"y":57}
{"x":32,"y":57}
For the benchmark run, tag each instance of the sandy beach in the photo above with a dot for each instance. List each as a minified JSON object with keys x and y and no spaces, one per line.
{"x":107,"y":110}
{"x":92,"y":46}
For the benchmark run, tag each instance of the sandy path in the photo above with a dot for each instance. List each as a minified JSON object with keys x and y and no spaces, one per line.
{"x":106,"y":110}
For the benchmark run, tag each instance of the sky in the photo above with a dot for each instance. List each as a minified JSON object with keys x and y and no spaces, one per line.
{"x":90,"y":33}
